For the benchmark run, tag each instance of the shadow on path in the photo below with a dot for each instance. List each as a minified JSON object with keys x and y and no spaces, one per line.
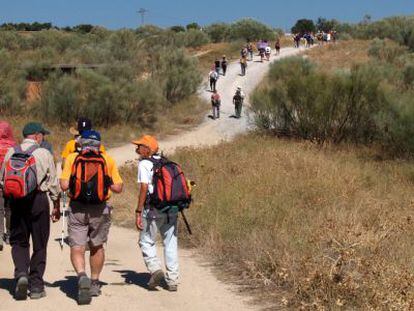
{"x":7,"y":285}
{"x":68,"y":286}
{"x":132,"y":277}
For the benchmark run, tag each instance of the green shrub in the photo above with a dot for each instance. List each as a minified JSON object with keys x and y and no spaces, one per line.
{"x":300,"y":101}
{"x":386,"y":50}
{"x":250,"y":30}
{"x":218,"y":32}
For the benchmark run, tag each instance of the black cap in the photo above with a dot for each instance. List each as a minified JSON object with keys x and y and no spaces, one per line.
{"x":84,"y":124}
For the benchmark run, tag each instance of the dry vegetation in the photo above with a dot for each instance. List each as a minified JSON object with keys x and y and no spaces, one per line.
{"x":342,"y":55}
{"x":305,"y":227}
{"x":181,"y":117}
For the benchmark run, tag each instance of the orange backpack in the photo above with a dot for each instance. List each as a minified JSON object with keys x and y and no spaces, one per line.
{"x":89,"y":181}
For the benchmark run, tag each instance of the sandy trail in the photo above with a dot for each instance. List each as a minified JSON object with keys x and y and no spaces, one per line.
{"x":124,"y":272}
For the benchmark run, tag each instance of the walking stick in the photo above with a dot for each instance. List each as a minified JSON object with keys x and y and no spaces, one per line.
{"x":62,"y":236}
{"x":186,"y":223}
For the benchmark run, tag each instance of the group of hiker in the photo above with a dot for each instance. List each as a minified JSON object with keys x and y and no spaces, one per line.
{"x":220,"y":68}
{"x":308,"y":39}
{"x":28,"y":180}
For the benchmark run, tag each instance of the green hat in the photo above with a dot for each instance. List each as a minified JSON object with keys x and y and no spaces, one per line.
{"x":34,"y":128}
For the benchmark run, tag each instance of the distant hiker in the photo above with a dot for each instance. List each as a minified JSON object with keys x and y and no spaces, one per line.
{"x":217,"y":66}
{"x":215,"y":103}
{"x":243,"y":52}
{"x":83,"y":124}
{"x":250,"y":50}
{"x":224,"y":65}
{"x":154,"y":213}
{"x":213,"y":77}
{"x":243,"y":65}
{"x":29,"y":206}
{"x":277,"y":46}
{"x":90,"y":176}
{"x":268,"y":51}
{"x":6,"y":142}
{"x":238,"y":100}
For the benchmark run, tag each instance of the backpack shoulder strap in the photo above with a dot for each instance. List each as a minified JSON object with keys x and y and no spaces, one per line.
{"x":31,"y":149}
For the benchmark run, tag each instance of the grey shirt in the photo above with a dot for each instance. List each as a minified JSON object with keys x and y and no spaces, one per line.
{"x":45,"y":168}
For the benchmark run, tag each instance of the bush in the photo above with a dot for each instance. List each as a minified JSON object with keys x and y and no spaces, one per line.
{"x":386,"y":50}
{"x":302,"y":102}
{"x":193,"y":38}
{"x":218,"y":32}
{"x":250,"y":30}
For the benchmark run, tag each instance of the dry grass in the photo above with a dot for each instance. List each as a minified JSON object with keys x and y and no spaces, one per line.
{"x":303,"y":227}
{"x":342,"y":55}
{"x":182,"y":116}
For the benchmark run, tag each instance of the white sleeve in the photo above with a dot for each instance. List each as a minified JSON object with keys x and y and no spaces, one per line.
{"x":144,"y":172}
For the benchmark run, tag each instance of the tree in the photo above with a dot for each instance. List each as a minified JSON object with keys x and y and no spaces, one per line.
{"x":326,"y":25}
{"x":218,"y":32}
{"x":250,"y":30}
{"x":303,"y":26}
{"x":193,"y":26}
{"x":177,"y":28}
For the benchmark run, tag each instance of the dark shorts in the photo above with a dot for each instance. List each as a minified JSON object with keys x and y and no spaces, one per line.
{"x":88,"y":224}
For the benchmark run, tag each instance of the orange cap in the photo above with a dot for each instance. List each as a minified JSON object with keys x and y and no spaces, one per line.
{"x":147,"y":140}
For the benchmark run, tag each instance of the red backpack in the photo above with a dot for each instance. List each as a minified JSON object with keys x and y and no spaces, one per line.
{"x":170,"y":185}
{"x":89,"y":181}
{"x":20,"y":177}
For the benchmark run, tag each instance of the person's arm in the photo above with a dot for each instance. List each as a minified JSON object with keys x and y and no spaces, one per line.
{"x":142,"y":197}
{"x":117,"y":183}
{"x":54,"y":189}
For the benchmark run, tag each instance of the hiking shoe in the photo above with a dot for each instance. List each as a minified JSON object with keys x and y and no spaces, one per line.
{"x":95,"y":288}
{"x":84,"y":290}
{"x":172,"y":287}
{"x":20,"y":293}
{"x":1,"y":247}
{"x":156,"y":278}
{"x":37,"y":293}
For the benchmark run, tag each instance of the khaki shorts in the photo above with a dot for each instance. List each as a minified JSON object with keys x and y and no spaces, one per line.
{"x":88,"y":224}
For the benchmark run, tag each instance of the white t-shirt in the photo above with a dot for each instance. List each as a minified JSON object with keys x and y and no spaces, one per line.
{"x":146,"y":172}
{"x":268,"y":49}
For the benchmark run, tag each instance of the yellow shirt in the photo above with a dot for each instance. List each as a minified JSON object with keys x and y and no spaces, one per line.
{"x":112,"y":168}
{"x":71,"y":148}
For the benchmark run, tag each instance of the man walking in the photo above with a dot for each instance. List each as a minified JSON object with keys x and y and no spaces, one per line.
{"x":213,"y":77}
{"x":89,"y":176}
{"x":215,"y":103}
{"x":243,"y":65}
{"x":149,"y":220}
{"x":238,"y":100}
{"x":224,"y":65}
{"x":30,"y":208}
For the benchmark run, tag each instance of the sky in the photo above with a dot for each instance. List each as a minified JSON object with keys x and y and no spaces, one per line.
{"x":114,"y":14}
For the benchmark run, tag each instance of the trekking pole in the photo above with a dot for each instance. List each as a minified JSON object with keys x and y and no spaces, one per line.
{"x":186,"y":223}
{"x":62,"y":236}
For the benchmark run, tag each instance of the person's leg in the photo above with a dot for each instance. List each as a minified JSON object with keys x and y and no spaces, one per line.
{"x":214,"y":85}
{"x":147,"y":240}
{"x":19,"y":241}
{"x":7,"y":214}
{"x":211,"y":84}
{"x":218,"y":111}
{"x":169,"y":235}
{"x":77,"y":257}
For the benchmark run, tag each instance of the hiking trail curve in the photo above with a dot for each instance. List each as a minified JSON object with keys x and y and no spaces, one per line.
{"x":124,"y":275}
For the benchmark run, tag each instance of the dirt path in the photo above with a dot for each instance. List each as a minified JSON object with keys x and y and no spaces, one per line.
{"x":124,"y":274}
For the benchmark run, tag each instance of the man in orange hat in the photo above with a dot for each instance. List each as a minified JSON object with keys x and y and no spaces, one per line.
{"x":149,"y":220}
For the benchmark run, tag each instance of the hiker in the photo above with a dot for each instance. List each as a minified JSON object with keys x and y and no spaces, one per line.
{"x":277,"y":46}
{"x":215,"y":103}
{"x":149,"y":219}
{"x":29,"y":207}
{"x":238,"y":100}
{"x":243,"y":52}
{"x":250,"y":50}
{"x":224,"y":65}
{"x":243,"y":65}
{"x":213,"y":77}
{"x":268,"y":51}
{"x":6,"y":142}
{"x":217,"y":66}
{"x":89,"y":217}
{"x":83,"y":124}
